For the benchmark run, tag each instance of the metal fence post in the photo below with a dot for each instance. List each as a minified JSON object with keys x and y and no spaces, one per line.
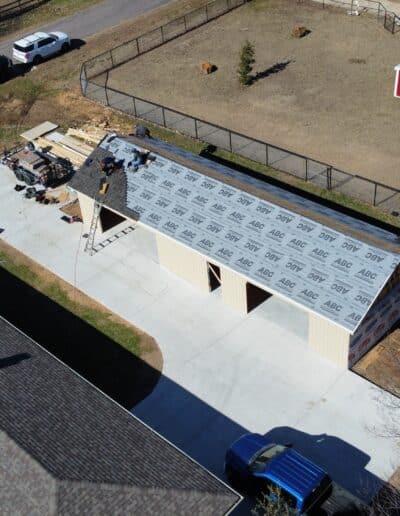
{"x":375,"y":189}
{"x":137,"y":46}
{"x":112,"y":59}
{"x":230,"y":141}
{"x":195,"y":129}
{"x":329,"y":178}
{"x":134,"y":106}
{"x":306,"y":169}
{"x":163,"y":116}
{"x":162,"y":34}
{"x":266,"y":155}
{"x":106,"y":89}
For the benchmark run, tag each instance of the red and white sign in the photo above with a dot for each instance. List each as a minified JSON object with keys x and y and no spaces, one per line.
{"x":397,"y":81}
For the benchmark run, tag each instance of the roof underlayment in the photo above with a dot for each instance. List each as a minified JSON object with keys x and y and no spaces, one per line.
{"x":310,"y":264}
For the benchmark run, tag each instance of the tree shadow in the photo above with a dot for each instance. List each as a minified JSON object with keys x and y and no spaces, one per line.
{"x":114,"y":370}
{"x":276,"y":68}
{"x":13,"y":360}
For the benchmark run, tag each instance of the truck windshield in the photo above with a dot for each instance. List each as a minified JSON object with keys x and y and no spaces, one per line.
{"x":260,"y":461}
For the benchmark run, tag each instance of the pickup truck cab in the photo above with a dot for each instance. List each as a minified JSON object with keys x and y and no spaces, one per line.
{"x":255,"y":464}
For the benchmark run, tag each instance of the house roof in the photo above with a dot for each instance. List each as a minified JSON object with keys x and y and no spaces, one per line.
{"x":67,"y":448}
{"x":266,"y":238}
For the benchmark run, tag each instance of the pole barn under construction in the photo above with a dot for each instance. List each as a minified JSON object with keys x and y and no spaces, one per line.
{"x":219,"y":228}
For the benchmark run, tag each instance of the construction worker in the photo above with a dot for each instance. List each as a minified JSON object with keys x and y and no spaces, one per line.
{"x":142,"y":131}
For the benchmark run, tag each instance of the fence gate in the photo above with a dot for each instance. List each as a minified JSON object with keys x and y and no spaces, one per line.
{"x":391,"y":22}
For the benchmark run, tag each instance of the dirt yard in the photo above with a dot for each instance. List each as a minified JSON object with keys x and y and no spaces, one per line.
{"x":328,"y":95}
{"x":381,"y":365}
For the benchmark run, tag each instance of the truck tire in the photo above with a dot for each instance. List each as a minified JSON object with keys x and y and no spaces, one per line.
{"x":37,"y":60}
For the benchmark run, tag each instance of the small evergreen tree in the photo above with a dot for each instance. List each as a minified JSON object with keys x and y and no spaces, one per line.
{"x":246,"y":60}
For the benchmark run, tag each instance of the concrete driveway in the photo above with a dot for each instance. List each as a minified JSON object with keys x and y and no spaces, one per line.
{"x":224,"y":373}
{"x":94,"y":19}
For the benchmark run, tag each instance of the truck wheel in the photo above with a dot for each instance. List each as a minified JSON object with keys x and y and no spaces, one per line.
{"x":37,"y":60}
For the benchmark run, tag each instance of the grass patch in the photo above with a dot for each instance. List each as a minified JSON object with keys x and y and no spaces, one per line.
{"x":99,"y":319}
{"x":25,"y":89}
{"x":10,"y":136}
{"x":43,"y":14}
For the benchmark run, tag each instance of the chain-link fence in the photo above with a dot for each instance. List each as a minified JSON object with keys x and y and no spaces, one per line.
{"x":17,"y":7}
{"x":171,"y":30}
{"x":389,"y":19}
{"x":94,"y":83}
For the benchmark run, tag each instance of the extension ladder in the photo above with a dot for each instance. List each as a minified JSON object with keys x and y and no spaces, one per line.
{"x":89,"y":246}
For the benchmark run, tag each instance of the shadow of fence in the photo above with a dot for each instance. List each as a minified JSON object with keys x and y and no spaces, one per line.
{"x":18,"y":7}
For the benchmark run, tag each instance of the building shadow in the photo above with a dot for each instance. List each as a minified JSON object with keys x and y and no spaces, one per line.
{"x":13,"y":360}
{"x":114,"y":370}
{"x":345,"y":463}
{"x":209,"y":152}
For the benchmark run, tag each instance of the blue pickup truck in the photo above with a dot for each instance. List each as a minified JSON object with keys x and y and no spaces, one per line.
{"x":254,"y":465}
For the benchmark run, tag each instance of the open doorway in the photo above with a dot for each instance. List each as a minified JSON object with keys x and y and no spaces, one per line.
{"x":255,"y":296}
{"x":214,"y":276}
{"x":109,"y":219}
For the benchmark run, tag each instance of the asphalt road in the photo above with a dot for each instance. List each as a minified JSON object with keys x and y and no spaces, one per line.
{"x":94,"y":19}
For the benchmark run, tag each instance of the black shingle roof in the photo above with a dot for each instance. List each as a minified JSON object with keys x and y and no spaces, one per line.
{"x":66,"y":448}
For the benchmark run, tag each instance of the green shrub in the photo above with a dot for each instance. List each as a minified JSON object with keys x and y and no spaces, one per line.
{"x":246,"y":61}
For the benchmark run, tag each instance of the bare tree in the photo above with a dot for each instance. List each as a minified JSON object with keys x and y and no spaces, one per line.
{"x":273,"y":503}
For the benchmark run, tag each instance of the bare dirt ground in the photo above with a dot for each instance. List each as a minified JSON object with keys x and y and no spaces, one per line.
{"x":382,"y":364}
{"x":328,"y":95}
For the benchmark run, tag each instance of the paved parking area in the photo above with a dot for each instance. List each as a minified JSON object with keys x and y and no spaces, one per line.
{"x":224,"y":373}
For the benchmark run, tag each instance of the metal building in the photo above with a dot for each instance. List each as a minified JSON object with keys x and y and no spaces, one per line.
{"x":218,"y":227}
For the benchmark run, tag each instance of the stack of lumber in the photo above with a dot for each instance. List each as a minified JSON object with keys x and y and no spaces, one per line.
{"x":65,"y":146}
{"x":75,"y":146}
{"x":93,"y":135}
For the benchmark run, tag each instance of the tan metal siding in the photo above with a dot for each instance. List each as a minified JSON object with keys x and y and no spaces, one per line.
{"x":329,"y":340}
{"x":234,"y":290}
{"x":183,"y":262}
{"x":86,"y":204}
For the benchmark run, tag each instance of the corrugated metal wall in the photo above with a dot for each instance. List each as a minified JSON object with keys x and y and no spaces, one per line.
{"x":329,"y":340}
{"x":86,"y":204}
{"x":183,"y":262}
{"x":234,"y":290}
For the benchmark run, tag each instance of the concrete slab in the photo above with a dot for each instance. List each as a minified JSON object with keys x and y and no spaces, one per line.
{"x":224,"y":373}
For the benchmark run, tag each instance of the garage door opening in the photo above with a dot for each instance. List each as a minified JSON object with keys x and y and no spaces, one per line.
{"x":109,"y":219}
{"x":255,"y":296}
{"x":214,"y":276}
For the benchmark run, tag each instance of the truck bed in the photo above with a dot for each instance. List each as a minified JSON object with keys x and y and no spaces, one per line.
{"x":340,"y":500}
